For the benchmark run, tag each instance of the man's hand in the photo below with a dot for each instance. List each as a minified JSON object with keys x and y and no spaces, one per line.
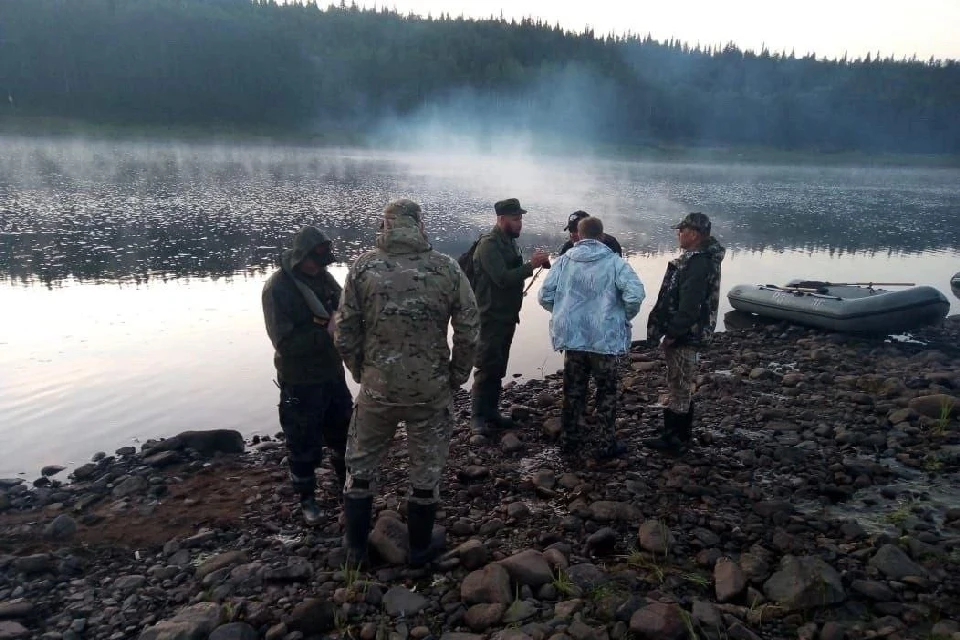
{"x":539,"y":259}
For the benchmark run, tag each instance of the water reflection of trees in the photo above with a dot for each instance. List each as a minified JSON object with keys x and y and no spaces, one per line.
{"x":102,"y":214}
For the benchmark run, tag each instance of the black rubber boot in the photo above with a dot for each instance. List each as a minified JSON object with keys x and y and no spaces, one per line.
{"x":501,"y":422}
{"x":478,"y":410}
{"x":424,"y":548}
{"x":672,"y":440}
{"x":358,"y":512}
{"x":340,"y":469}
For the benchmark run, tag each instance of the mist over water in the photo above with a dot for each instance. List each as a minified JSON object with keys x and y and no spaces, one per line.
{"x":130,"y":272}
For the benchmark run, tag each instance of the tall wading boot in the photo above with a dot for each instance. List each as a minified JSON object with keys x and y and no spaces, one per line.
{"x":358,"y":512}
{"x":339,"y":465}
{"x":424,"y":547}
{"x":499,"y":421}
{"x":478,"y":409}
{"x":672,"y":440}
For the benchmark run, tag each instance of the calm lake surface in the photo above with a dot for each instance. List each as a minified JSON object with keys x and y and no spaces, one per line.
{"x":130,"y":273}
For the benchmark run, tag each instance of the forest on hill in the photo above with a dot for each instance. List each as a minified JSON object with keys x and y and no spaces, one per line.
{"x":302,"y":68}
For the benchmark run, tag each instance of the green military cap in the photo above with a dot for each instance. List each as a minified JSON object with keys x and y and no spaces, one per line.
{"x":509,"y":207}
{"x":696,"y":221}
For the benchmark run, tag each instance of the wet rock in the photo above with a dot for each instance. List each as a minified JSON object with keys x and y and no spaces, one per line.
{"x":401,"y":601}
{"x":481,"y":617}
{"x":51,"y":470}
{"x":729,"y":581}
{"x":129,"y":486}
{"x":706,"y":615}
{"x":935,"y":405}
{"x":193,"y":622}
{"x":874,"y":590}
{"x":126,"y":451}
{"x":34,"y":564}
{"x":15,"y":609}
{"x":739,"y":632}
{"x":565,"y":610}
{"x":603,"y":541}
{"x":770,"y":508}
{"x":528,"y":568}
{"x":12,"y":630}
{"x":163,"y":459}
{"x":832,"y":631}
{"x":220,"y":561}
{"x":453,"y":635}
{"x":62,"y":527}
{"x":85,"y":472}
{"x":518,"y":511}
{"x":129,"y":583}
{"x":518,"y":611}
{"x":552,"y":427}
{"x":488,"y":585}
{"x":313,"y":616}
{"x":895,"y":564}
{"x":610,"y":511}
{"x":659,"y":621}
{"x":586,"y":576}
{"x":296,"y":570}
{"x":654,"y":536}
{"x":804,"y":583}
{"x":235,"y":631}
{"x":473,"y":554}
{"x":510,"y":443}
{"x":206,"y":443}
{"x":389,"y":539}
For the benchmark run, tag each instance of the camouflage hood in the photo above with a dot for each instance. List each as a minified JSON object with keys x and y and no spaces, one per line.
{"x":401,"y":234}
{"x":304,"y":242}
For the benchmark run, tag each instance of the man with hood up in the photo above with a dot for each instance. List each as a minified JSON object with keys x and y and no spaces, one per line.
{"x":685,"y":316}
{"x":593,"y":294}
{"x":299,"y":301}
{"x":399,"y":301}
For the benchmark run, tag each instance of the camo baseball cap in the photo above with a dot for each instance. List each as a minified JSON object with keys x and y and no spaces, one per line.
{"x":696,"y":221}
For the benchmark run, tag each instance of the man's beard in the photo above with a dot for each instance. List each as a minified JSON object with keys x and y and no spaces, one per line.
{"x":513,"y":234}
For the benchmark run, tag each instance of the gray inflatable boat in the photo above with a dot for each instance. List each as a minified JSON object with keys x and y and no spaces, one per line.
{"x":955,"y":284}
{"x":846,"y":308}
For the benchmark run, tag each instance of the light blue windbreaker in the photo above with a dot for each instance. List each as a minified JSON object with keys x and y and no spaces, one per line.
{"x":593,"y":294}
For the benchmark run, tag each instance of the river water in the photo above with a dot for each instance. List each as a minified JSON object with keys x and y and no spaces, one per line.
{"x":130,"y":272}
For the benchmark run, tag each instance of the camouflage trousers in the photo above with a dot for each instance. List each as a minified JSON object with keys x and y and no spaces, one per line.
{"x":578,"y":367}
{"x":681,"y":377}
{"x":372,"y":431}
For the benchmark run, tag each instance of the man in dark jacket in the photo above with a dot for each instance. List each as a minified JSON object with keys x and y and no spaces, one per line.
{"x":299,"y":301}
{"x":500,"y":272}
{"x":685,"y":316}
{"x":571,"y":227}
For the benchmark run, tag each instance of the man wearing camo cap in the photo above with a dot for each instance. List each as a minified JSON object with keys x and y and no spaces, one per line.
{"x":684,"y":317}
{"x":398,"y":302}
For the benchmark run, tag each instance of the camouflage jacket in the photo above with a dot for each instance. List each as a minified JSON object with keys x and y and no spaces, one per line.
{"x":500,"y":273}
{"x":686,"y":308}
{"x":304,"y":352}
{"x":397,"y":305}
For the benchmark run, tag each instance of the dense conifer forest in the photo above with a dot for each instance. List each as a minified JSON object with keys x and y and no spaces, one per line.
{"x":301,"y":68}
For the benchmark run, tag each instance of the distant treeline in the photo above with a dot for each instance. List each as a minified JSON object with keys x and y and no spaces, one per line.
{"x":300,"y":68}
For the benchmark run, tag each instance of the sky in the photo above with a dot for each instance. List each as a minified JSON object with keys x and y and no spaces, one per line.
{"x":828,"y":28}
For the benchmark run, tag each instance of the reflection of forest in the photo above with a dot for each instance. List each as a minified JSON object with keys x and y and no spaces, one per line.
{"x":83,"y":214}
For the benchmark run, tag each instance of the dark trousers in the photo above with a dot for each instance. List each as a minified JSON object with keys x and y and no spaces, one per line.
{"x":313,"y":416}
{"x":578,"y":367}
{"x":493,"y":351}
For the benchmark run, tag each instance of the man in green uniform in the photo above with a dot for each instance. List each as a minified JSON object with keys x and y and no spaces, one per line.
{"x":500,"y":272}
{"x":399,"y":301}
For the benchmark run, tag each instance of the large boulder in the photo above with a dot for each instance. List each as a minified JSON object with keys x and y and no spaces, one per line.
{"x":206,"y":443}
{"x":195,"y":622}
{"x":528,"y":567}
{"x":895,"y":564}
{"x":489,"y":585}
{"x":804,"y":583}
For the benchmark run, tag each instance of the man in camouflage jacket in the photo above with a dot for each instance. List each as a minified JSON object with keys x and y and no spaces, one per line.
{"x":684,"y":317}
{"x":398,"y":302}
{"x":299,"y":300}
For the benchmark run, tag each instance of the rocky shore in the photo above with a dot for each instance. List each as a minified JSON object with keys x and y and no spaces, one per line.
{"x":821,"y":501}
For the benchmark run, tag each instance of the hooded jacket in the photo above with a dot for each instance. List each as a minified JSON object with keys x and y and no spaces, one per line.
{"x":296,"y":310}
{"x":398,"y":303}
{"x":593,"y":294}
{"x":689,"y":297}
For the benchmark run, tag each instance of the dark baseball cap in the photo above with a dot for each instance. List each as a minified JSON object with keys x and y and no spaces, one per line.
{"x":509,"y":207}
{"x":575,"y":219}
{"x":696,"y":221}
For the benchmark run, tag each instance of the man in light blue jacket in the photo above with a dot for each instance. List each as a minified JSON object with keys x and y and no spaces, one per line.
{"x":593,"y":294}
